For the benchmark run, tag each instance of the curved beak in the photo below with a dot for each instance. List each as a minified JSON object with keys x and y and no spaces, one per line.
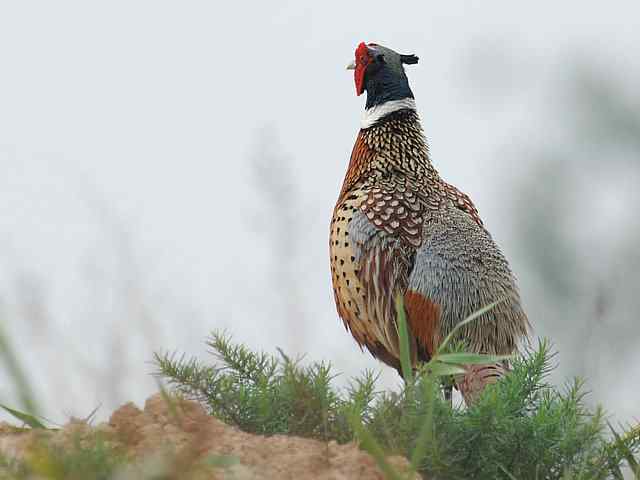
{"x":352,"y":66}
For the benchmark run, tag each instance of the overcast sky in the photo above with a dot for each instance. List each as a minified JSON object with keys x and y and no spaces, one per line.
{"x":128,"y":127}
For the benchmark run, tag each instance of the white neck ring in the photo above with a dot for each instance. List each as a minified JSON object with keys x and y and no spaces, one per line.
{"x":375,"y":113}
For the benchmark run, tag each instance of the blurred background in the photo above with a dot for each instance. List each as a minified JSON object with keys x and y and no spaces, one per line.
{"x":170,"y":168}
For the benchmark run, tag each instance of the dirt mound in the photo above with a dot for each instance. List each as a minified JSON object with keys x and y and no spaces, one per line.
{"x":180,"y":433}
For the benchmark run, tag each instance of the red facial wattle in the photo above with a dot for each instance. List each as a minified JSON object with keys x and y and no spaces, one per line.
{"x":362,"y":61}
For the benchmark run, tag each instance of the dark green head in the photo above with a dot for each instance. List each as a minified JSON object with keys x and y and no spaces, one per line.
{"x":380,"y":71}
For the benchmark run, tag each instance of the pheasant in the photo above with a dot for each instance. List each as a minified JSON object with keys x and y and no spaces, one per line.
{"x":399,"y":229}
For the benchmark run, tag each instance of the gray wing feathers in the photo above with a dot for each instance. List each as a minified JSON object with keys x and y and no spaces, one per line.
{"x":461,"y":269}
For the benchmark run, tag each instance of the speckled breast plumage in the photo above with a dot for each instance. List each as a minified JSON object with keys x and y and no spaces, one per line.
{"x":391,"y":201}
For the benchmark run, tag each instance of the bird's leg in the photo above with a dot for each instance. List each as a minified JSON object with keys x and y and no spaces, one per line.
{"x":448,"y":394}
{"x":477,"y":377}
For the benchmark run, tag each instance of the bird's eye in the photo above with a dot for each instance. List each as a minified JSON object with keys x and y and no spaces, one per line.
{"x":380,"y":58}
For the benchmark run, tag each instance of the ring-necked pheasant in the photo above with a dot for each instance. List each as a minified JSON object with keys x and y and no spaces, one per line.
{"x":398,"y":228}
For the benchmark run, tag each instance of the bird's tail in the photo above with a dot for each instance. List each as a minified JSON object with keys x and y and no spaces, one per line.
{"x":472,"y":383}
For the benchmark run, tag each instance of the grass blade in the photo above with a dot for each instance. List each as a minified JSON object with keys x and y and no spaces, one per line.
{"x":369,"y":444}
{"x":12,"y":364}
{"x":26,"y":418}
{"x":467,"y":321}
{"x":403,"y":338}
{"x":507,"y":472}
{"x":471,"y":358}
{"x":439,"y":369}
{"x":625,"y":452}
{"x":426,"y":435}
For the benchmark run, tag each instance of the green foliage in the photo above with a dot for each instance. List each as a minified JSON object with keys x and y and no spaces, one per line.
{"x":95,"y":457}
{"x":87,"y":457}
{"x":265,"y":394}
{"x":521,"y":427}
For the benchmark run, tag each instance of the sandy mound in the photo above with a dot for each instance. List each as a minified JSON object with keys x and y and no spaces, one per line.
{"x":185,"y":438}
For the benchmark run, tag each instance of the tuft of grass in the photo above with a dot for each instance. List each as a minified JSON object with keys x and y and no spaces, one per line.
{"x":266,"y":394}
{"x":87,"y":457}
{"x":94,"y":457}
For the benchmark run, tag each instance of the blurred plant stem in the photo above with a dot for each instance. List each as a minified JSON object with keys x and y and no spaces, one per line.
{"x":10,"y":362}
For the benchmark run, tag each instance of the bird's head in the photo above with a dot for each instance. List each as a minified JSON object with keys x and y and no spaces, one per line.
{"x":380,"y":71}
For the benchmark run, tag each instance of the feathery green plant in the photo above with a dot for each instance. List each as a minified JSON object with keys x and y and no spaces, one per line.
{"x":521,"y":427}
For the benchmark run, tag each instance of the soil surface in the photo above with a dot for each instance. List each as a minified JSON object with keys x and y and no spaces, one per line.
{"x":182,"y":435}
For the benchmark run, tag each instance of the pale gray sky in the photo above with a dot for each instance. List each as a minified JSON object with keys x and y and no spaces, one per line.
{"x":126,"y":126}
